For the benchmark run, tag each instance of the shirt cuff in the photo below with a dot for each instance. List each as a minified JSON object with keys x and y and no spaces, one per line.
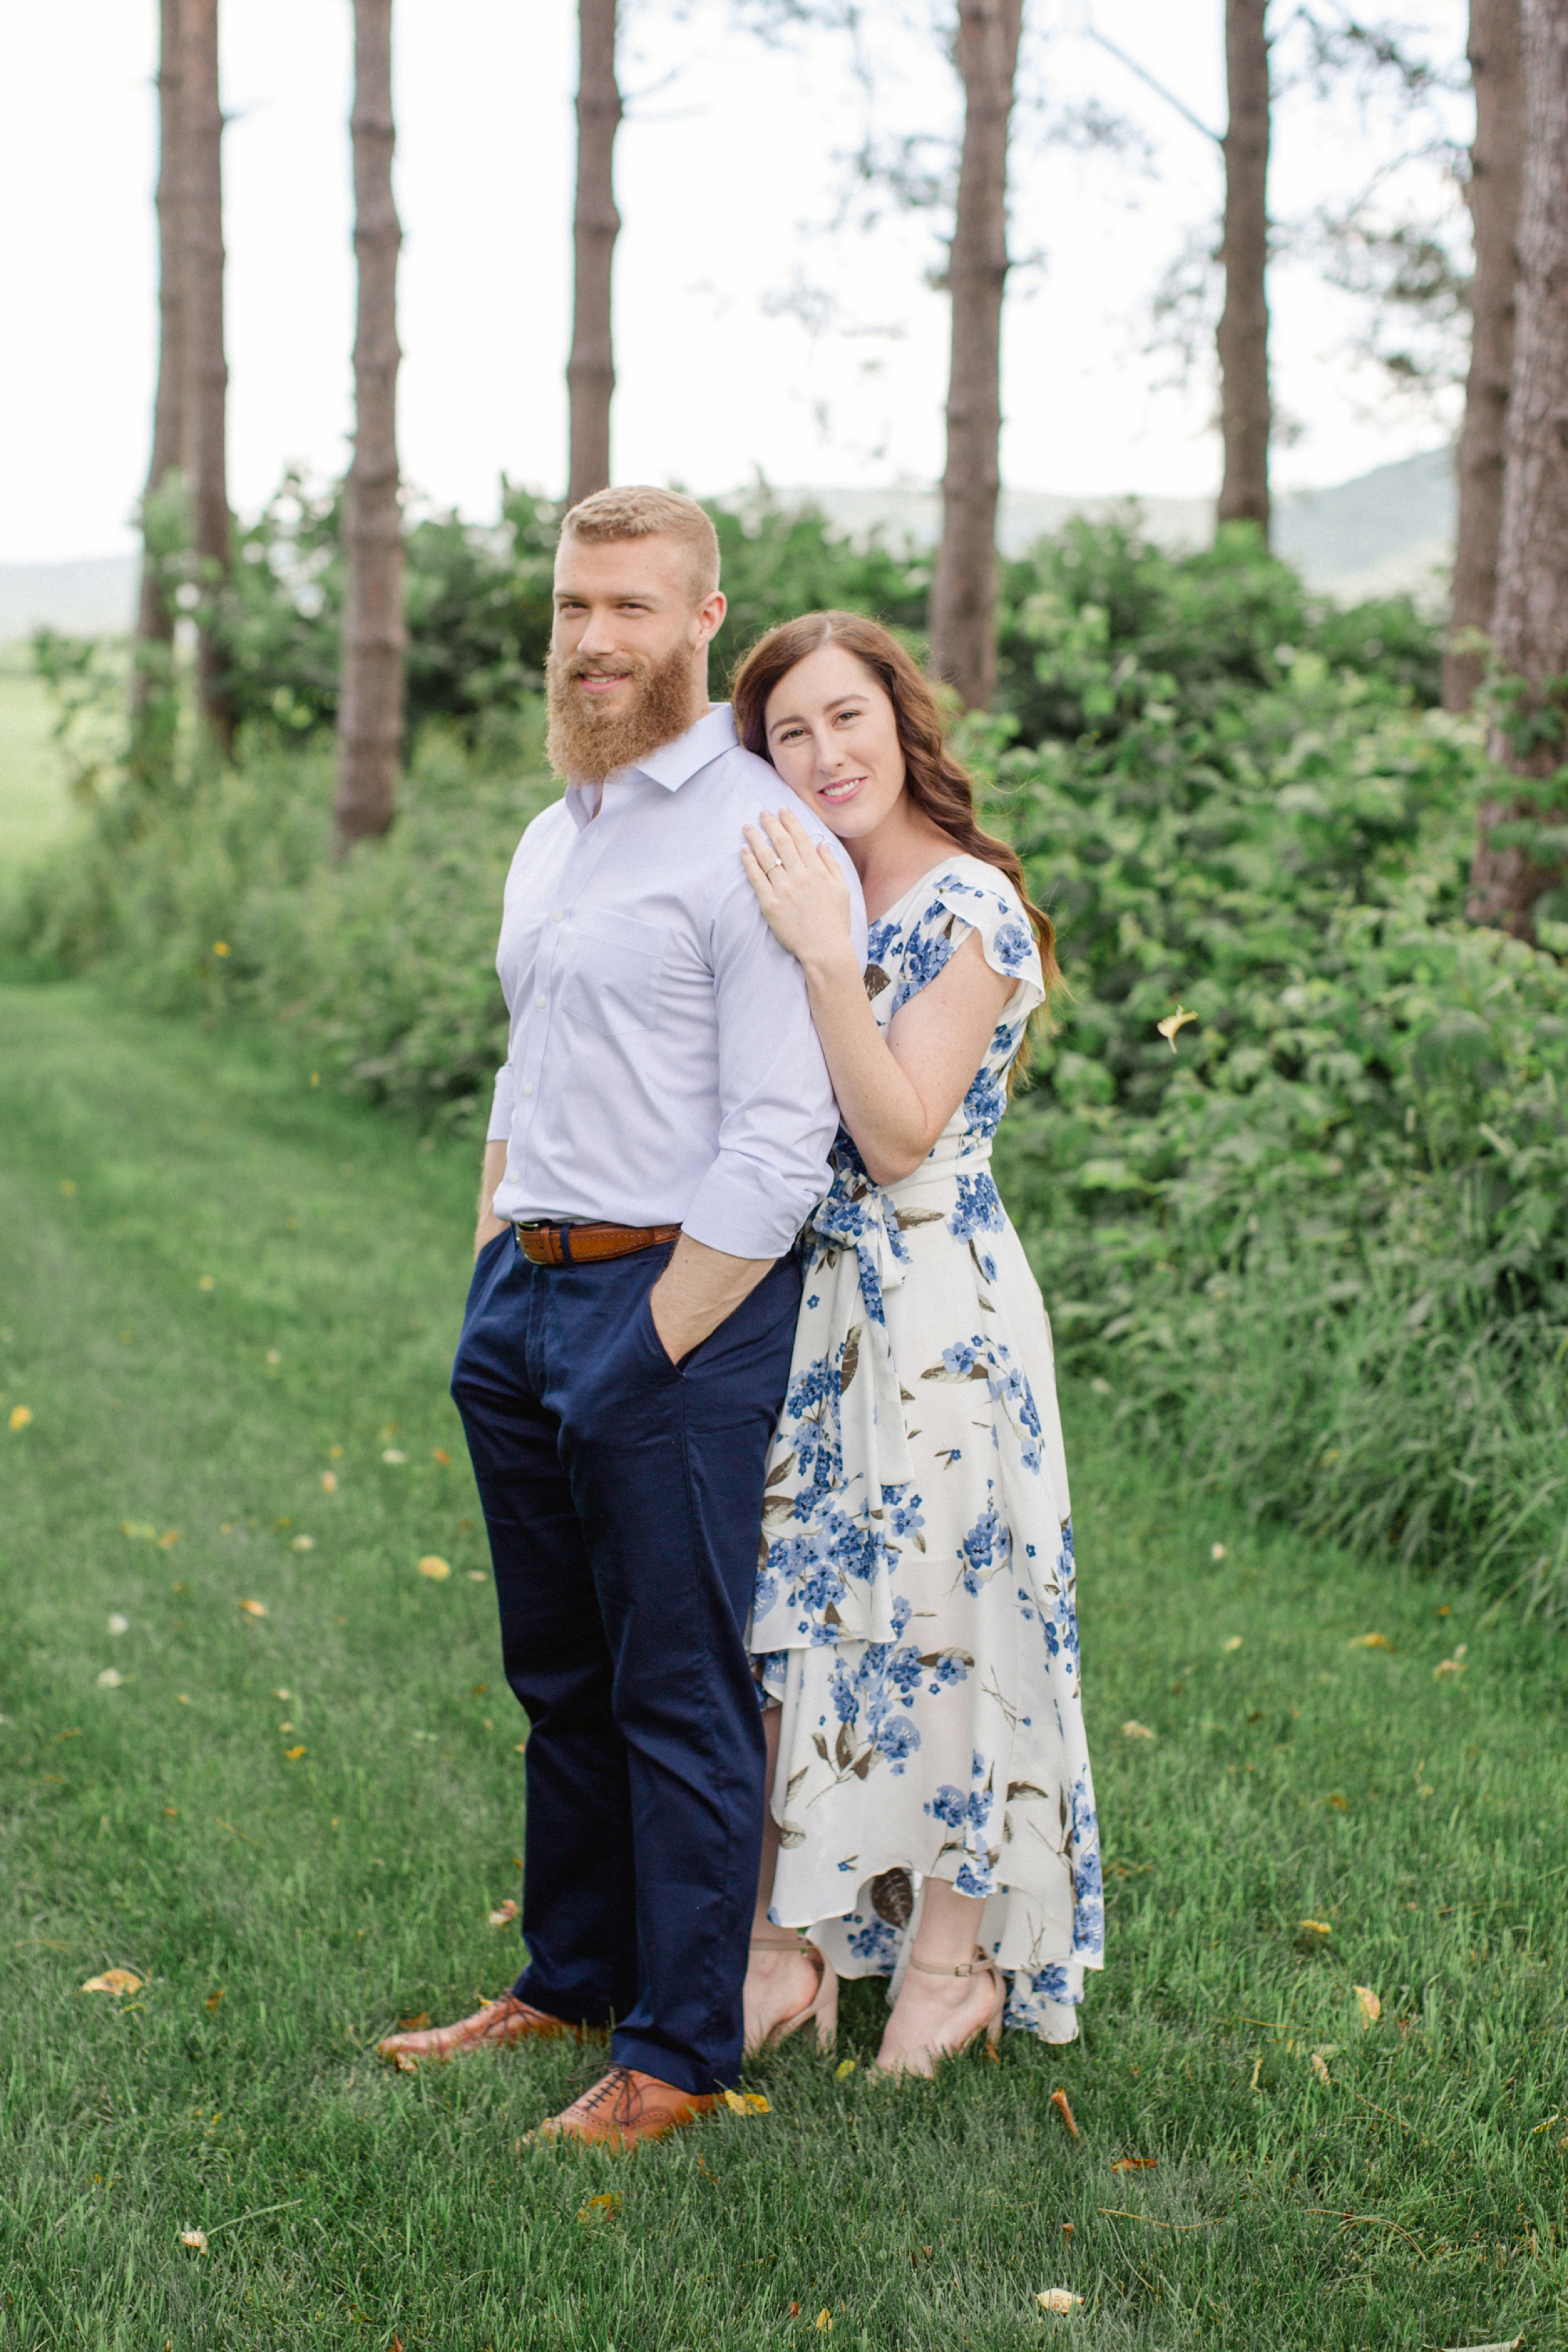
{"x":502,"y":1103}
{"x":735,"y":1209}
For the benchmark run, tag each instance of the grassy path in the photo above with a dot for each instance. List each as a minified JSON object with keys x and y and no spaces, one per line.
{"x":221,"y":1291}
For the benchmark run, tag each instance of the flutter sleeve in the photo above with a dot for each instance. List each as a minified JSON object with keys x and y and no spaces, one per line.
{"x":975,"y":897}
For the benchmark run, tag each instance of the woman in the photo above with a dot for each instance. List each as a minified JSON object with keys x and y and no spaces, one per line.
{"x":931,"y":1814}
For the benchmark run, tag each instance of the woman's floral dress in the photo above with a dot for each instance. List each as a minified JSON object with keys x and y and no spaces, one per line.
{"x":914,"y":1611}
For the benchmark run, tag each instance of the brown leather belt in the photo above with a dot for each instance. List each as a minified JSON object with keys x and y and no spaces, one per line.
{"x":586,"y":1244}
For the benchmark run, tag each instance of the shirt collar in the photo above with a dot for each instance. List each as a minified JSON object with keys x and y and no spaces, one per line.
{"x":674,"y":764}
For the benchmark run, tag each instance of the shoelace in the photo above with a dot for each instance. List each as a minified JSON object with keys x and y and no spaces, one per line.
{"x":606,"y":2091}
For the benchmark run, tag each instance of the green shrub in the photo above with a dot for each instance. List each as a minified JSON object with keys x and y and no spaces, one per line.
{"x":1323,"y":1244}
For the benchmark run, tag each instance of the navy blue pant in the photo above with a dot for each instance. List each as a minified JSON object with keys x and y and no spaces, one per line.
{"x":623,"y":1496}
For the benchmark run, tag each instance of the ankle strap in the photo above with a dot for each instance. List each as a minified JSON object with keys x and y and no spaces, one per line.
{"x":779,"y":1944}
{"x":979,"y":1966}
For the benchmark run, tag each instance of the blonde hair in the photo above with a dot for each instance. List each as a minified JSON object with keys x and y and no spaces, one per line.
{"x":642,"y":512}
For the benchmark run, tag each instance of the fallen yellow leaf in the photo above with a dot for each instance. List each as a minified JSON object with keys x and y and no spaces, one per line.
{"x":195,"y":2239}
{"x":118,"y":1623}
{"x":1454,"y":1665}
{"x":335,"y":1453}
{"x":845,"y":2068}
{"x":392,"y":1453}
{"x":303,"y":1543}
{"x":824,"y":2321}
{"x":1060,"y":2101}
{"x":1217,"y":1552}
{"x":169,"y":1538}
{"x":1059,"y":2299}
{"x":1234,"y":1642}
{"x":254,"y":1608}
{"x":117,"y":1980}
{"x":111,"y":1679}
{"x":1371,"y":1642}
{"x":435,"y":1568}
{"x":504,"y":1913}
{"x":205,"y":1282}
{"x":1135,"y":2164}
{"x":1369,"y":2004}
{"x":293,"y":1754}
{"x":329,"y":1482}
{"x":1321,"y":2059}
{"x":475,"y":1575}
{"x":1136,"y":1731}
{"x":599,"y":2208}
{"x":443,"y":1457}
{"x":220,"y":947}
{"x":747,"y":2103}
{"x":214,"y":2000}
{"x":1316,"y":1927}
{"x":1172,"y":1023}
{"x":21,"y":1415}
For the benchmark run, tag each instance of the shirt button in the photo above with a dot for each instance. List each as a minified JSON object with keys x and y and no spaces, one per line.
{"x":527,"y":1091}
{"x":557,"y":914}
{"x":538,"y":1001}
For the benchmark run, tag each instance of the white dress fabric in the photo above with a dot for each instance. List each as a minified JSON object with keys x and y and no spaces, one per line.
{"x":915,"y":1610}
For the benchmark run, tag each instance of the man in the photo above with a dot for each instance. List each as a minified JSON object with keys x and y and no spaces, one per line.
{"x":660,"y":1129}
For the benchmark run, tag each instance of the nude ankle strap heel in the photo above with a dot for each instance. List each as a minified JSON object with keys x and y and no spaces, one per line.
{"x":978,"y":1966}
{"x":822,"y":2009}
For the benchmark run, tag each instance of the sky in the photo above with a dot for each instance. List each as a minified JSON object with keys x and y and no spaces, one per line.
{"x":771,"y":317}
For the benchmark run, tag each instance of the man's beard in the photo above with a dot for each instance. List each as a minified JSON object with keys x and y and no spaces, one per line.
{"x":585,"y":744}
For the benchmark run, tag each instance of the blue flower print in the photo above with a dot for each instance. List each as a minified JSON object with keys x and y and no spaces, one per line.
{"x":978,"y":1209}
{"x":875,"y":1941}
{"x":949,"y":1805}
{"x":987,"y":1548}
{"x":1013,"y":945}
{"x":897,"y":1738}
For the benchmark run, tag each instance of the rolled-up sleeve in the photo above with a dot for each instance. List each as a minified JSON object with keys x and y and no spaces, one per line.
{"x":777,"y":1114}
{"x":501,"y":1100}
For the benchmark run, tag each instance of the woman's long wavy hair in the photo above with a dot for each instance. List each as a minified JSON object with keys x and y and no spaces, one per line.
{"x":933,"y":779}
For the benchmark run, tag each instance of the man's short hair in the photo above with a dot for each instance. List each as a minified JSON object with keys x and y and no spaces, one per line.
{"x":642,"y":512}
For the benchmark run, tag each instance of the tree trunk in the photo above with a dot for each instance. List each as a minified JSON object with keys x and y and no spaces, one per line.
{"x":1522,"y":849}
{"x":963,"y":590}
{"x":1496,"y":165}
{"x":207,"y":370}
{"x":153,"y":715}
{"x":370,"y":706}
{"x":591,"y":369}
{"x":1246,"y":413}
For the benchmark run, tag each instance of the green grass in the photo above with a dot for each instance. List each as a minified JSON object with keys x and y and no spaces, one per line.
{"x":34,"y":805}
{"x":284,"y":1910}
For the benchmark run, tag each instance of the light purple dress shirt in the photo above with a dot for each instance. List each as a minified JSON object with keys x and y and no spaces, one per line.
{"x":663,"y":1066}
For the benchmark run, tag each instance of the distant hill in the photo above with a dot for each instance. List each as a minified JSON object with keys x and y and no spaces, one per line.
{"x":1388,"y":531}
{"x":94,"y":598}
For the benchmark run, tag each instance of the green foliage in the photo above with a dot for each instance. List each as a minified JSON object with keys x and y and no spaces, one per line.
{"x":1343,"y":1197}
{"x":777,"y":563}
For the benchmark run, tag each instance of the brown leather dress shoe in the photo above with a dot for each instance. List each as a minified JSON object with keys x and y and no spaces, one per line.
{"x":493,"y":2027}
{"x":624,"y":2107}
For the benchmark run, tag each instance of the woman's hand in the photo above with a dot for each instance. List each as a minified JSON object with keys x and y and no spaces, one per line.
{"x":803,"y":893}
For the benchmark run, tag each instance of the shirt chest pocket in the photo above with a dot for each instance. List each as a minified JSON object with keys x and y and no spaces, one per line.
{"x":612,"y":972}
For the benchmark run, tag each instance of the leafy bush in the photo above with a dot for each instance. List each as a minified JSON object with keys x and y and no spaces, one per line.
{"x":1324,"y":1242}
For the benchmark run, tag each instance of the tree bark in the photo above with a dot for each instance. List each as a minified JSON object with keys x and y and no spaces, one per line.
{"x":1496,"y":165}
{"x":1522,"y":849}
{"x":153,"y":712}
{"x":590,"y":368}
{"x":155,"y":621}
{"x":1246,"y":411}
{"x":370,"y":705}
{"x":206,"y":369}
{"x":963,"y":590}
